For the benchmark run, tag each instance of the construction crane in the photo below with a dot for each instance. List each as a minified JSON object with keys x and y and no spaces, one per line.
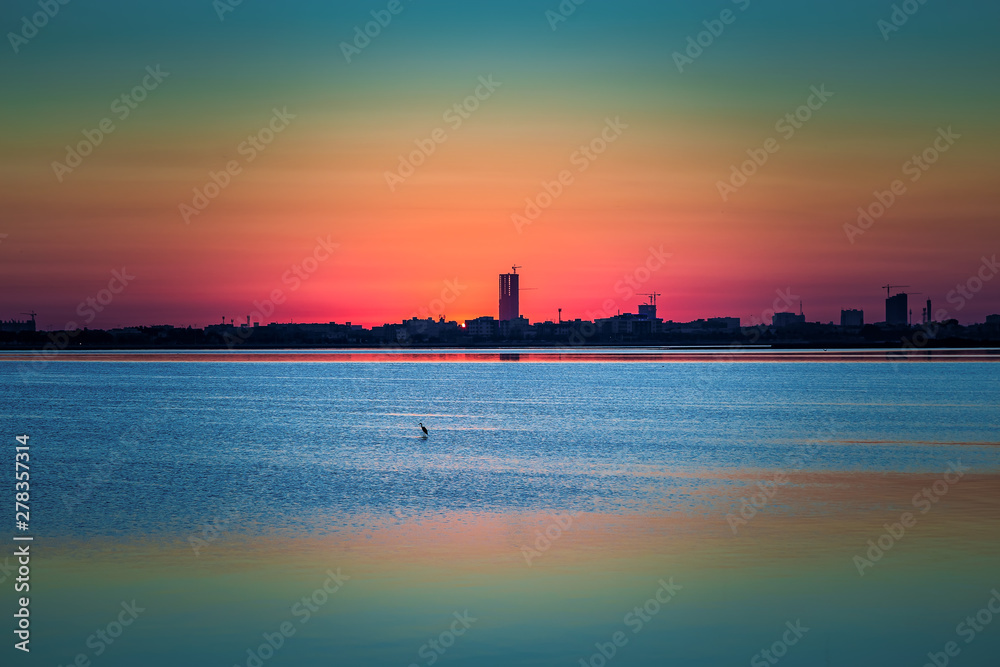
{"x":889,"y":287}
{"x":652,"y":297}
{"x":516,"y":268}
{"x":32,"y":313}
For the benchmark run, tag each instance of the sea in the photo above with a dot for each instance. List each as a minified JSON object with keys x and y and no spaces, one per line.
{"x":612,"y":507}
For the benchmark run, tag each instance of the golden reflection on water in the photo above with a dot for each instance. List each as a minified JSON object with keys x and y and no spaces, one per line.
{"x":814,"y":516}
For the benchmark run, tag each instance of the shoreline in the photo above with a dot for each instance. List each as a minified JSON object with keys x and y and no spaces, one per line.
{"x":521,"y":354}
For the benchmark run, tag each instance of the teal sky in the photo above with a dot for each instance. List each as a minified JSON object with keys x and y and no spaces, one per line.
{"x":607,"y":59}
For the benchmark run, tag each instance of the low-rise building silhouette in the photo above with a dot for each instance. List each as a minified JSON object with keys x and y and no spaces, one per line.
{"x":852,"y":318}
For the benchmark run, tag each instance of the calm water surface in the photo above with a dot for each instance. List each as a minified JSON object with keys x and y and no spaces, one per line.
{"x":548,"y":503}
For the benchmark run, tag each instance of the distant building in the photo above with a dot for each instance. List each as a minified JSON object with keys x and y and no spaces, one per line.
{"x":123,"y":333}
{"x":852,"y":318}
{"x":509,"y":290}
{"x":647,"y":311}
{"x":729,"y":323}
{"x":562,"y":329}
{"x":643,"y":323}
{"x":15,"y":326}
{"x":409,"y":332}
{"x":787,"y":319}
{"x":896,"y":310}
{"x":516,"y":328}
{"x":482,"y":327}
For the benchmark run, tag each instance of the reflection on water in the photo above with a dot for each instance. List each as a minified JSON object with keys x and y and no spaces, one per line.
{"x":548,"y":502}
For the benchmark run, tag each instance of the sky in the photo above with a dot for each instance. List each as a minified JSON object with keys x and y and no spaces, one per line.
{"x":271,"y":159}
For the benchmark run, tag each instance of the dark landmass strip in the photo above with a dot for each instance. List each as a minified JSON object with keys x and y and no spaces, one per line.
{"x":430,"y":334}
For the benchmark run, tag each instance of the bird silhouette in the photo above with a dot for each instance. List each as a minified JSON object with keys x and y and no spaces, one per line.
{"x":423,"y":428}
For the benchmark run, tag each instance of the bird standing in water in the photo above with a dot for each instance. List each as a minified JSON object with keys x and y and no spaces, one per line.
{"x":423,"y":428}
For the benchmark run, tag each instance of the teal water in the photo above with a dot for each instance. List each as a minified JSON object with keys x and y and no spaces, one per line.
{"x":217,"y":495}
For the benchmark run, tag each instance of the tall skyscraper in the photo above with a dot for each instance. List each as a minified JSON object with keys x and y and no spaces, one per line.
{"x":896,"y":310}
{"x":509,"y":306}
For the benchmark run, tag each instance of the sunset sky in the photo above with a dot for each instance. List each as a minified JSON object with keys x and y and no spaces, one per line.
{"x":554,"y":87}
